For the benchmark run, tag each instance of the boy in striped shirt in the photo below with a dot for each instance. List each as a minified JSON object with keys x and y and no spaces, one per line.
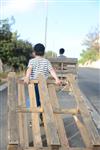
{"x":39,"y":65}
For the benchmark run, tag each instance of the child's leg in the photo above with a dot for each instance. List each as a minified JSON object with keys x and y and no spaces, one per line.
{"x":28,"y":102}
{"x":37,"y":95}
{"x":38,"y":101}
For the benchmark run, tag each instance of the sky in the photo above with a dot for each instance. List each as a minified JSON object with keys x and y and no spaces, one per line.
{"x":63,"y":23}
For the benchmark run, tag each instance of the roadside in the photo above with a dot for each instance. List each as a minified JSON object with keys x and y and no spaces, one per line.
{"x":89,"y":64}
{"x":3,"y":86}
{"x":3,"y":79}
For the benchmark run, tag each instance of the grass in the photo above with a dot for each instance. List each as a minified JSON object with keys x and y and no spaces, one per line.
{"x":3,"y":75}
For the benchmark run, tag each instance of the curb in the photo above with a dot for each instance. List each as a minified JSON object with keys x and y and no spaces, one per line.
{"x":95,"y":115}
{"x":3,"y":86}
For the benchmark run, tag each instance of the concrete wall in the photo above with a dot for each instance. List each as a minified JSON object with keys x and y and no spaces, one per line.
{"x":1,"y":66}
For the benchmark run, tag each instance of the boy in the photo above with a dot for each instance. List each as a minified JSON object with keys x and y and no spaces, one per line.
{"x":39,"y":65}
{"x":61,"y":52}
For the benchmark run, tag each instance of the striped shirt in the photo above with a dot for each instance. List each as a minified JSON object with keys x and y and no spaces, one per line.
{"x":39,"y":65}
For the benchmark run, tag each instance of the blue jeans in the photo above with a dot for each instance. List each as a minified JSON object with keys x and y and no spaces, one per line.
{"x":37,"y":97}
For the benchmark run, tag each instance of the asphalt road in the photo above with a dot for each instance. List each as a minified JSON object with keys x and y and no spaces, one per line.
{"x":3,"y":120}
{"x":89,"y":83}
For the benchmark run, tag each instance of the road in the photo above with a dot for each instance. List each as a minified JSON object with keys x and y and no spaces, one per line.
{"x":3,"y":120}
{"x":89,"y":83}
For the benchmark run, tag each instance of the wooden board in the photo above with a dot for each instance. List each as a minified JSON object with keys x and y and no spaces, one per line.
{"x":61,"y":60}
{"x":53,"y":123}
{"x":22,"y":118}
{"x":58,"y":119}
{"x":35,"y":118}
{"x":12,"y":103}
{"x":88,"y":122}
{"x":51,"y":130}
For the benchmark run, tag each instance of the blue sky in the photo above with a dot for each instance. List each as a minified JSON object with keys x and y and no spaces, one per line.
{"x":68,"y":21}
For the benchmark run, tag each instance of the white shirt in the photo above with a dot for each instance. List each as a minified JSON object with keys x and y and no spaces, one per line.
{"x":39,"y":65}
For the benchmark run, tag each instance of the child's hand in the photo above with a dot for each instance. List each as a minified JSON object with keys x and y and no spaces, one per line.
{"x":58,"y":82}
{"x":26,"y":80}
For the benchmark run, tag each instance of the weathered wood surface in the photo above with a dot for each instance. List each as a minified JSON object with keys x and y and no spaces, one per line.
{"x":53,"y":124}
{"x":29,"y":110}
{"x":12,"y":103}
{"x":62,"y":60}
{"x":64,"y":72}
{"x":22,"y":118}
{"x":51,"y":131}
{"x":13,"y":147}
{"x":90,"y":127}
{"x":35,"y":118}
{"x":61,"y":148}
{"x":64,"y":66}
{"x":21,"y":81}
{"x":58,"y":119}
{"x":40,"y":110}
{"x":83,"y":132}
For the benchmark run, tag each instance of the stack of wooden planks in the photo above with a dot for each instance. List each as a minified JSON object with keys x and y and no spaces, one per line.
{"x":51,"y":135}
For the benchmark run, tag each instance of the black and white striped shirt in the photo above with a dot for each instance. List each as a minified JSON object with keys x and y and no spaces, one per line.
{"x":39,"y":65}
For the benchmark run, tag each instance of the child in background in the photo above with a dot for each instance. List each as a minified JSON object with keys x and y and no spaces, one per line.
{"x":61,"y":53}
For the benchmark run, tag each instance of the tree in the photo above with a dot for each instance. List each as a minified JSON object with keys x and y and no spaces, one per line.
{"x":13,"y":51}
{"x":92,"y":44}
{"x":5,"y":29}
{"x":50,"y":54}
{"x":92,"y":40}
{"x":21,"y":54}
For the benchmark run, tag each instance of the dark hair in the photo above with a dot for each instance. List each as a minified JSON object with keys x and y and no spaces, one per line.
{"x":61,"y":51}
{"x":39,"y":49}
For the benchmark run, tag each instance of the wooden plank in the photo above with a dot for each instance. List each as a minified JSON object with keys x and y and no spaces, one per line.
{"x":12,"y":147}
{"x":72,"y":111}
{"x":96,"y":147}
{"x":12,"y":102}
{"x":88,"y":122}
{"x":26,"y":140}
{"x":37,"y":148}
{"x":61,"y":60}
{"x":76,"y":148}
{"x":21,"y":81}
{"x":20,"y":117}
{"x":49,"y":123}
{"x":83,"y":132}
{"x":35,"y":118}
{"x":58,"y":119}
{"x":61,"y":148}
{"x":94,"y":113}
{"x":44,"y":148}
{"x":29,"y":110}
{"x":64,"y":72}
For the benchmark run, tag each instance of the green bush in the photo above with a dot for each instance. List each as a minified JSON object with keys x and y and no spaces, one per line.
{"x":3,"y":75}
{"x":87,"y":55}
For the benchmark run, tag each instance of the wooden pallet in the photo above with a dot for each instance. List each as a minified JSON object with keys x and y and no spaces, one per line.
{"x":65,"y":65}
{"x":52,"y":135}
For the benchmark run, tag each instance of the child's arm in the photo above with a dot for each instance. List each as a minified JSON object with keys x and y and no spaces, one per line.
{"x":53,"y":73}
{"x":28,"y":73}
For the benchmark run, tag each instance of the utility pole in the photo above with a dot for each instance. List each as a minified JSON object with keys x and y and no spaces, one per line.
{"x":46,"y":24}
